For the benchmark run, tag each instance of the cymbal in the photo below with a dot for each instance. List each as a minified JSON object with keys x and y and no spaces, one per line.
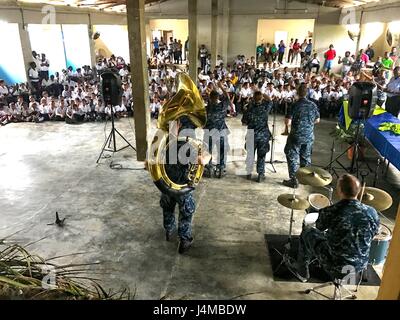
{"x":293,"y":202}
{"x":377,"y":198}
{"x":314,"y":176}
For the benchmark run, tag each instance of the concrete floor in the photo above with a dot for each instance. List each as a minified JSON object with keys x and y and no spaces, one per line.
{"x":114,"y":215}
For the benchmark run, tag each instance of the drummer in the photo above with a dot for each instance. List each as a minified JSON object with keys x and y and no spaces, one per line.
{"x":342,"y":236}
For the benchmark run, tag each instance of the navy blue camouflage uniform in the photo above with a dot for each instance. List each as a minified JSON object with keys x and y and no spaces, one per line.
{"x":342,"y":237}
{"x":256,"y":119}
{"x":188,"y":126}
{"x":216,"y":133}
{"x":186,"y":203}
{"x":300,"y":141}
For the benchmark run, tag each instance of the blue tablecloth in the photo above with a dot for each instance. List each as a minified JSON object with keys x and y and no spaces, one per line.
{"x":386,"y":142}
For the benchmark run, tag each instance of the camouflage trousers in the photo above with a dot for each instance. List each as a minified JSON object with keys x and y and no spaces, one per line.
{"x":221,"y":144}
{"x":313,"y":245}
{"x":187,"y":207}
{"x":261,"y":145}
{"x":297,"y":155}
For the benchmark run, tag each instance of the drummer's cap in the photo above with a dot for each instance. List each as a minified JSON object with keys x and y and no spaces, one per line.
{"x":349,"y":185}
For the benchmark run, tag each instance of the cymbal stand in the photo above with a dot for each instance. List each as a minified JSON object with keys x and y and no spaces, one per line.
{"x":330,"y":167}
{"x":330,"y":193}
{"x":376,"y":176}
{"x":285,"y":254}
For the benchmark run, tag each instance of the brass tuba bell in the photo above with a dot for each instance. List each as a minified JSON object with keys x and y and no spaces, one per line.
{"x":186,"y":102}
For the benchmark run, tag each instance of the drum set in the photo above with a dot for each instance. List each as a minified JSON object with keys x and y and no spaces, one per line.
{"x":318,"y":177}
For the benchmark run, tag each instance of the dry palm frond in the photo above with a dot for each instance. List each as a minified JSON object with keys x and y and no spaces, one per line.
{"x":23,"y":275}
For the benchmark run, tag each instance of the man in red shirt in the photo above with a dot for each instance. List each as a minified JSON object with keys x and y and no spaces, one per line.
{"x":330,"y":55}
{"x":364,"y":57}
{"x":296,"y":52}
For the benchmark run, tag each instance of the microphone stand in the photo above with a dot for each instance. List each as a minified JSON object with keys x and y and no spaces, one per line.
{"x":273,"y":134}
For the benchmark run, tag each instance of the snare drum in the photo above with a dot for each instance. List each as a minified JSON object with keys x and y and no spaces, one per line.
{"x":380,"y":245}
{"x":317,"y":202}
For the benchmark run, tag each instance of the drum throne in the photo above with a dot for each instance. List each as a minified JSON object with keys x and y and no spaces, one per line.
{"x":340,"y":291}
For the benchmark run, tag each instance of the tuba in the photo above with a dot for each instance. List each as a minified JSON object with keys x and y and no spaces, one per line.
{"x":186,"y":102}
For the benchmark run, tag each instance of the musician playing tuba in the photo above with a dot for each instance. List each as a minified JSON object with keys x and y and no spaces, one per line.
{"x":176,"y":159}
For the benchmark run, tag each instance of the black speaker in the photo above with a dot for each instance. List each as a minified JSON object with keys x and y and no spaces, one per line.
{"x":362,"y":100}
{"x":111,"y":88}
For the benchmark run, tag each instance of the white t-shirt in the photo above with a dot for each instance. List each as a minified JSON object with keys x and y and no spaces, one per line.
{"x":246,"y":93}
{"x":123,"y":72}
{"x":34,"y":75}
{"x":44,"y":67}
{"x":60,"y":111}
{"x":3,"y":90}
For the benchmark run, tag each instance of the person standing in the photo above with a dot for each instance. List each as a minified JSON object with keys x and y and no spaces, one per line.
{"x":302,"y":117}
{"x":179,"y":52}
{"x":364,"y":57}
{"x":393,"y":55}
{"x":281,"y":51}
{"x":203,"y":53}
{"x":216,"y":130}
{"x":179,"y":173}
{"x":156,"y":47}
{"x":303,"y":49}
{"x":187,"y":49}
{"x":330,"y":55}
{"x":258,"y":134}
{"x":393,"y":93}
{"x":44,"y":67}
{"x":290,"y":54}
{"x":33,"y":75}
{"x":308,"y":48}
{"x":162,"y":45}
{"x":296,"y":52}
{"x":370,"y":52}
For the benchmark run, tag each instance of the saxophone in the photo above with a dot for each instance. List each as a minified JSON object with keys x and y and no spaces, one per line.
{"x":186,"y":102}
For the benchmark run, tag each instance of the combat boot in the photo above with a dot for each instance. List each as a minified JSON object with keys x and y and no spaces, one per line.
{"x":220,"y":173}
{"x":292,"y":183}
{"x":184,"y":245}
{"x":168,"y":235}
{"x":261,"y":177}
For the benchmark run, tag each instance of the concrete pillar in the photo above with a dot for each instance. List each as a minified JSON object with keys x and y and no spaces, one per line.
{"x":359,"y":33}
{"x":25,"y":45}
{"x":214,"y":32}
{"x":390,"y":286}
{"x":225,"y":28}
{"x":148,"y":38}
{"x":138,"y":62}
{"x":193,"y":43}
{"x":91,"y":43}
